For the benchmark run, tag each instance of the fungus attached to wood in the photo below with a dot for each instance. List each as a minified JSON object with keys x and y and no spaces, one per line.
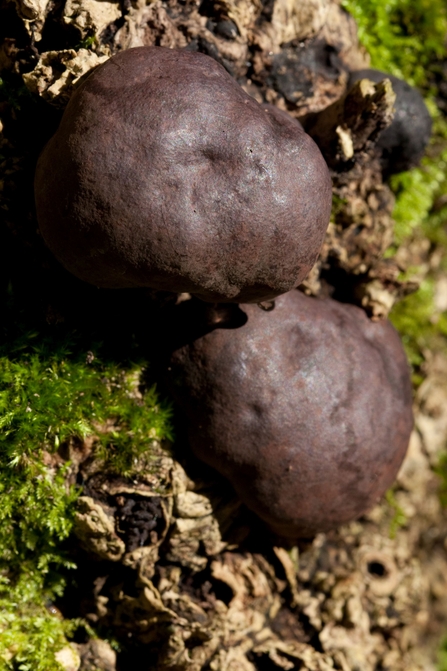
{"x":403,"y":143}
{"x":164,"y":173}
{"x":305,"y":409}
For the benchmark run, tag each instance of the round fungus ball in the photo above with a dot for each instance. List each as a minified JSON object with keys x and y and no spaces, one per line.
{"x":403,"y":143}
{"x":164,"y":173}
{"x":305,"y":409}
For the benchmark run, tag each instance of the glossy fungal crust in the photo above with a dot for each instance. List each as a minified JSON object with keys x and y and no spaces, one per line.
{"x":165,"y":173}
{"x":305,"y":409}
{"x":403,"y":143}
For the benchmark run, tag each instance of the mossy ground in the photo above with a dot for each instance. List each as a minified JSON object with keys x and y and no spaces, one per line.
{"x":55,"y":387}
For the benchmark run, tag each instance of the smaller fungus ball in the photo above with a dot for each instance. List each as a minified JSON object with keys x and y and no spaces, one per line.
{"x":306,"y":409}
{"x":403,"y":143}
{"x":164,"y":173}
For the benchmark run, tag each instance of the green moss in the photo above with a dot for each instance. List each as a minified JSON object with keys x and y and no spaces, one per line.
{"x":442,"y":656}
{"x":406,"y":38}
{"x":442,"y":472}
{"x":30,"y":635}
{"x":53,"y":390}
{"x":421,"y":213}
{"x":398,"y":517}
{"x":417,"y":190}
{"x":45,"y":400}
{"x":87,"y":42}
{"x":403,"y":37}
{"x":412,"y":318}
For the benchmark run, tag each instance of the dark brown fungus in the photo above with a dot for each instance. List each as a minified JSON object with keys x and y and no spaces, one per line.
{"x":305,"y":409}
{"x":164,"y":173}
{"x":403,"y":143}
{"x":279,"y":115}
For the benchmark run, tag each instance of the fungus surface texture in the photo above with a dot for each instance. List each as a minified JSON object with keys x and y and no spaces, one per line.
{"x":403,"y":143}
{"x":164,"y":173}
{"x":305,"y":409}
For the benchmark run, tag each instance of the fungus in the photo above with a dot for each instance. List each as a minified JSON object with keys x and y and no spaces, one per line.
{"x":306,"y":410}
{"x":164,"y":173}
{"x":403,"y":143}
{"x":280,"y":115}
